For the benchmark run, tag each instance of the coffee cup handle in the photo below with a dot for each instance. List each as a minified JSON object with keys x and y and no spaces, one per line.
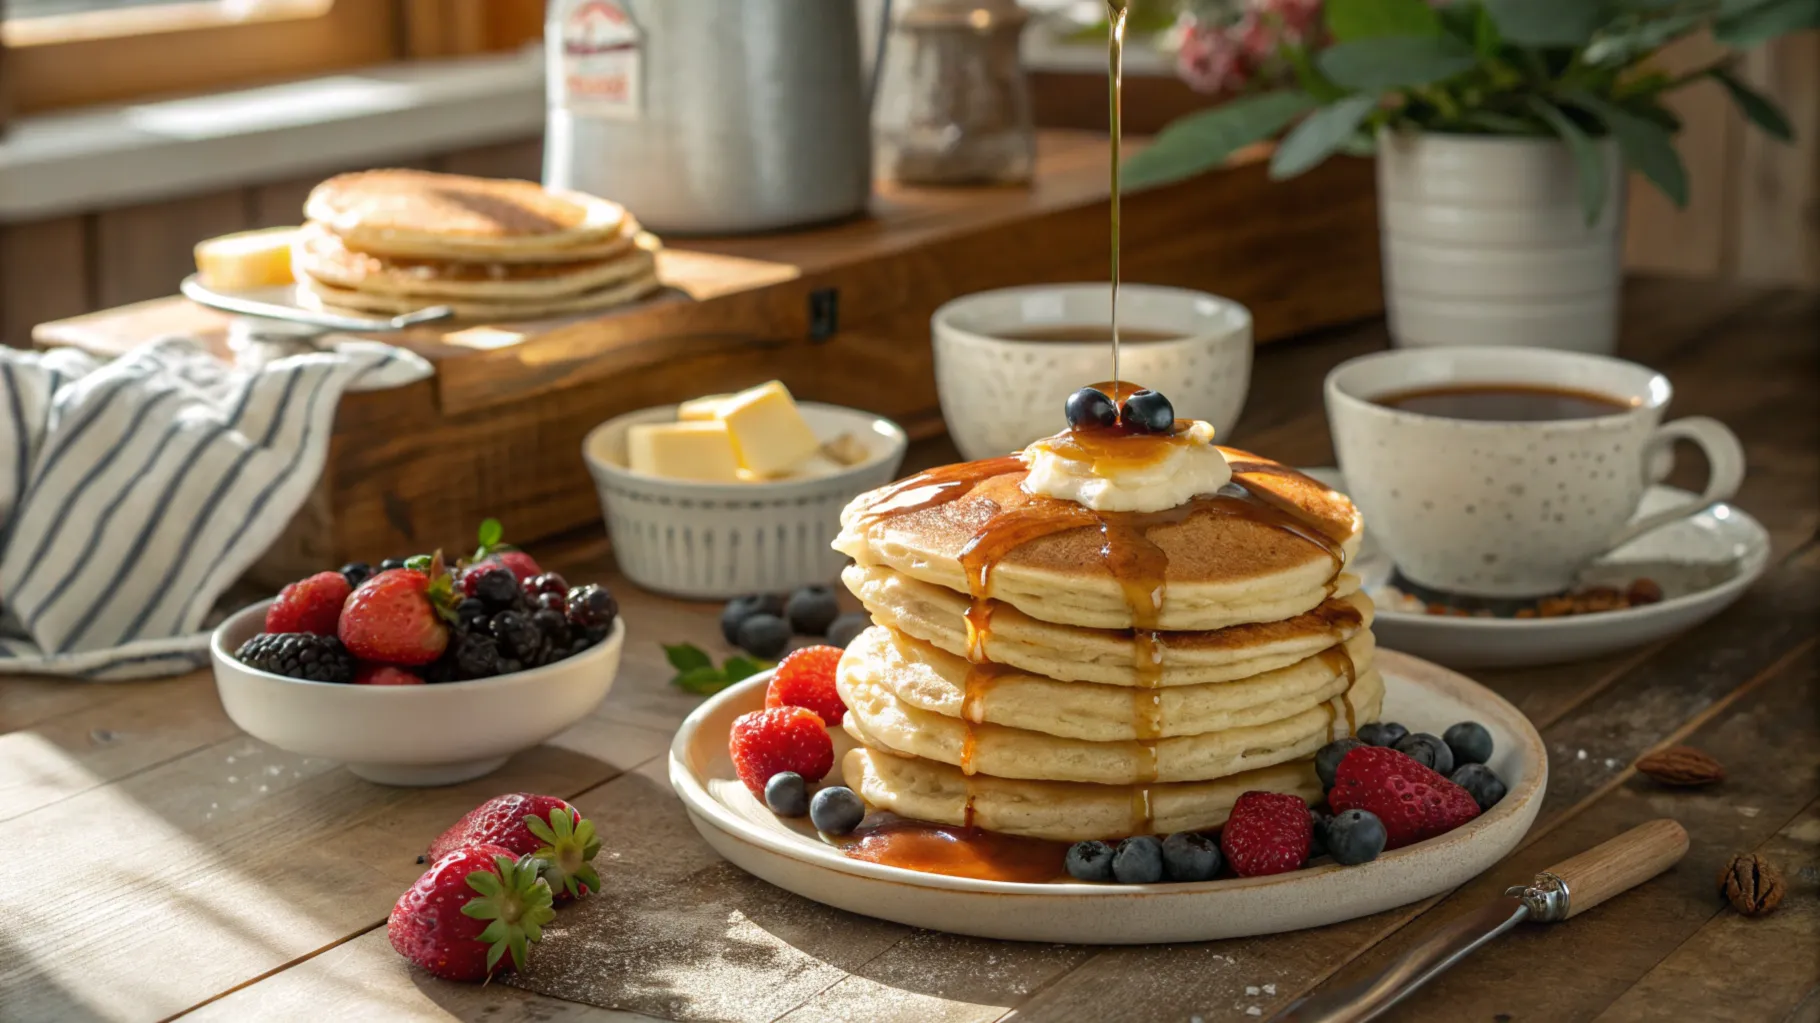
{"x":1724,"y":457}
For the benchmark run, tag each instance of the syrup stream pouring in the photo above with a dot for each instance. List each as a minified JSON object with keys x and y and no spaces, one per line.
{"x":1559,"y":893}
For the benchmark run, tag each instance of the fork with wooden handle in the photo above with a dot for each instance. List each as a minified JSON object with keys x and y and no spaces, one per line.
{"x":1561,"y":892}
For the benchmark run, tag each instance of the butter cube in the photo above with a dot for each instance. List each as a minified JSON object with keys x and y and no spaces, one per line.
{"x":769,"y":434}
{"x":683,"y":451}
{"x":246,"y":259}
{"x":705,"y":407}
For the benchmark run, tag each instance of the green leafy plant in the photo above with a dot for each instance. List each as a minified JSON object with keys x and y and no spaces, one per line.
{"x":1576,"y":70}
{"x":696,"y":673}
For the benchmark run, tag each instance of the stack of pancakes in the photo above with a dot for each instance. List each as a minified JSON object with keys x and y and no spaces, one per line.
{"x":394,"y":241}
{"x":1015,"y":694}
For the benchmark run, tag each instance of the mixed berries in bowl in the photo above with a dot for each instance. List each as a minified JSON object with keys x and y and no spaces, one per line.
{"x":419,"y":671}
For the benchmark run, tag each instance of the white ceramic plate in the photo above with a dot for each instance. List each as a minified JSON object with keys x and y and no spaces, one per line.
{"x":788,"y":853}
{"x":1703,"y":563}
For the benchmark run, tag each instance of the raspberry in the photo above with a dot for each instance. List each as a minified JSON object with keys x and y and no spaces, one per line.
{"x":806,"y":679}
{"x":766,"y":742}
{"x":309,"y":605}
{"x":1267,"y":833}
{"x":385,"y":675}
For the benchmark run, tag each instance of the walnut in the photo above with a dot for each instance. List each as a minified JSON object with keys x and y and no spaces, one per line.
{"x":1681,"y":765}
{"x":1752,"y":884}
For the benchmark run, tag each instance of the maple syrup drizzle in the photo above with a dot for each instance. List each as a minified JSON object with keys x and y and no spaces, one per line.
{"x":1141,"y":569}
{"x":957,"y":852}
{"x":934,"y":487}
{"x":1115,"y":73}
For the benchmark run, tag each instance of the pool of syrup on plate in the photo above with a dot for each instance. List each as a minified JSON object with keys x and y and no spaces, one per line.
{"x":1133,"y":560}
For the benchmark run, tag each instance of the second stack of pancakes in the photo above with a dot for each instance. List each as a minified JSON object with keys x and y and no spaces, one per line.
{"x":1039,"y":669}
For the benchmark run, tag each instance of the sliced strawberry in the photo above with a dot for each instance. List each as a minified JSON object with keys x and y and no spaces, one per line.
{"x":806,"y":679}
{"x":768,"y":742}
{"x":1414,"y":802}
{"x":1267,"y":833}
{"x":468,"y":910}
{"x":309,"y":605}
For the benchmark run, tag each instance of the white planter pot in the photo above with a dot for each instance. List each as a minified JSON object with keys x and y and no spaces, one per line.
{"x":1485,"y":243}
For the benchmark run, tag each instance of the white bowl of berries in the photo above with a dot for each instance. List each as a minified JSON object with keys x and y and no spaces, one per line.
{"x":416,"y":674}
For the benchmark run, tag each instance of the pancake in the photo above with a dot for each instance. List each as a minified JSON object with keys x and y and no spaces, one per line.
{"x":937,"y":615}
{"x":1060,"y":811}
{"x":319,"y":254}
{"x":877,"y":718}
{"x":425,"y":215}
{"x":324,"y":296}
{"x":941,"y":683}
{"x":1266,"y":548}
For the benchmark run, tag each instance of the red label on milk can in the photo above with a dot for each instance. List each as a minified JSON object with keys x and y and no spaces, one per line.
{"x":595,"y":54}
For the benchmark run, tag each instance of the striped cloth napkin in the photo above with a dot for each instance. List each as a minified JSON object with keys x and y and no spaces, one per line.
{"x":134,"y":492}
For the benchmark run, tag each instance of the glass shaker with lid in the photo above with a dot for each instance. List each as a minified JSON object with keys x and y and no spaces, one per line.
{"x":954,"y":105}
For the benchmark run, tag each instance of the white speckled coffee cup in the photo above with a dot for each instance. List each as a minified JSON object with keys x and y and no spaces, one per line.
{"x":1511,"y":509}
{"x":1000,"y":394}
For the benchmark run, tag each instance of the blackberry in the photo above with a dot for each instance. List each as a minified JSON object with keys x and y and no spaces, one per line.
{"x":476,"y":656}
{"x":516,"y":635}
{"x":298,"y":655}
{"x":592,"y":606}
{"x":357,"y":572}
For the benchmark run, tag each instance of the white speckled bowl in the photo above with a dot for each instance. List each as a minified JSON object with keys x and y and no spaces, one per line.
{"x":789,"y":854}
{"x":717,"y":540}
{"x":410,"y":735}
{"x":998,"y":395}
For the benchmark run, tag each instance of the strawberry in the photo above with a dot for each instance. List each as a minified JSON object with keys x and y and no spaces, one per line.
{"x":768,"y":742}
{"x":470,"y":908}
{"x":522,"y":565}
{"x":400,"y":616}
{"x":1413,"y":801}
{"x":1267,"y":833}
{"x":545,"y":827}
{"x":806,"y":679}
{"x":492,"y":550}
{"x":385,"y":675}
{"x":309,"y":605}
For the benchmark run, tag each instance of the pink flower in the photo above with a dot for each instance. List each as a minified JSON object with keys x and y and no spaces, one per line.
{"x":1232,"y":46}
{"x":1212,"y":60}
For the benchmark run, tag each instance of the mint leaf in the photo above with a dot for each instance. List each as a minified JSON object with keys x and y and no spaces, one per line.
{"x":739,"y":667}
{"x":686,"y":657}
{"x":703,"y":681}
{"x":419,"y":562}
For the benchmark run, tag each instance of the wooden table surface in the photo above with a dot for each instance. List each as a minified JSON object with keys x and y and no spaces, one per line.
{"x":162,"y":864}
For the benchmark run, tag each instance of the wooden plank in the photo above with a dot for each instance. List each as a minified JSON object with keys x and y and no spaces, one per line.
{"x":1659,"y":237}
{"x":1609,"y":949}
{"x":1736,"y":967}
{"x":141,"y":252}
{"x":44,"y":275}
{"x":1776,"y":234}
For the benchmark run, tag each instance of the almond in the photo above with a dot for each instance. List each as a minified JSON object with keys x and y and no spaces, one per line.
{"x":1682,"y":765}
{"x":1752,"y":884}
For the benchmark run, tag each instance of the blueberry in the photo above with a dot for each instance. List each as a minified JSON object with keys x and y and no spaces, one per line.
{"x":1381,"y":733}
{"x":1148,"y":411}
{"x":356,"y":572}
{"x":763,"y":636}
{"x":836,"y":810}
{"x":1327,"y":759}
{"x":390,"y":563}
{"x":1190,"y":856}
{"x":846,"y":627}
{"x":1317,"y":838}
{"x":1469,"y":741}
{"x":1481,"y":783}
{"x":1427,"y":750}
{"x":1090,"y":861}
{"x":811,"y":610}
{"x":741,"y":608}
{"x":1090,"y":407}
{"x":1138,"y":860}
{"x":592,"y":606}
{"x":787,"y":795}
{"x":471,"y":614}
{"x":498,"y":587}
{"x":1354,"y":836}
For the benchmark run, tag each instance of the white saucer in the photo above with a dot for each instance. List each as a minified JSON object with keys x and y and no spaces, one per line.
{"x":1703,"y":563}
{"x":789,"y":854}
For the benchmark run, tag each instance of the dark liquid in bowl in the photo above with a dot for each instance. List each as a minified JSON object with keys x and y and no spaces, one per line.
{"x":1089,"y":333}
{"x":1504,"y":403}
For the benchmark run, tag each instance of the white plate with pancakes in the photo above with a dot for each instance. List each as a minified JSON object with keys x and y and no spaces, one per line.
{"x":1703,"y":563}
{"x":790,"y":854}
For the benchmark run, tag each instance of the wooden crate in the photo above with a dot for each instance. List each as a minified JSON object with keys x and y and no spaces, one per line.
{"x":839,"y":313}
